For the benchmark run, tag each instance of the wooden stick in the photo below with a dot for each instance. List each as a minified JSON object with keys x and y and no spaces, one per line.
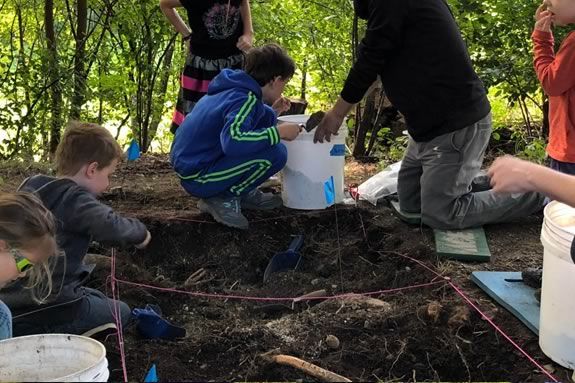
{"x":308,"y":368}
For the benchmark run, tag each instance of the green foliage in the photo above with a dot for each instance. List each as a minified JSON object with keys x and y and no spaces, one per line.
{"x":317,"y":36}
{"x":131,"y":49}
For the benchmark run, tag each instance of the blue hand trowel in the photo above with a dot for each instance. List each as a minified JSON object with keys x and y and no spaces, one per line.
{"x":287,"y":260}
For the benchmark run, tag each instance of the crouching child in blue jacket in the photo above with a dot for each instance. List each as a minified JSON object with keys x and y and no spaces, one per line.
{"x":230,"y":143}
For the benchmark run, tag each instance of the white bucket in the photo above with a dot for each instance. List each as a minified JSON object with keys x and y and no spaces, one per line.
{"x":313,"y":176}
{"x":557,"y":320}
{"x":53,"y":358}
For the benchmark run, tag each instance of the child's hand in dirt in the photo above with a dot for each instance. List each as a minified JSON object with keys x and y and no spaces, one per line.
{"x":281,"y":105}
{"x":146,"y":241}
{"x":289,"y":131}
{"x":544,"y":18}
{"x":511,"y":175}
{"x":245,"y":42}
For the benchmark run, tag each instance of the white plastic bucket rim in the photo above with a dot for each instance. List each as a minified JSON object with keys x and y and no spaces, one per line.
{"x":559,"y":227}
{"x":556,"y":332}
{"x":32,"y":344}
{"x":308,"y":136}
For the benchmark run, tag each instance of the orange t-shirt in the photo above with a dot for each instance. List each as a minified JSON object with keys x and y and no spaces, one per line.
{"x":556,"y":72}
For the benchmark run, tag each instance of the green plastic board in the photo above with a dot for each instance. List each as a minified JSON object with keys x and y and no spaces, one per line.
{"x":462,"y":245}
{"x":410,"y":218}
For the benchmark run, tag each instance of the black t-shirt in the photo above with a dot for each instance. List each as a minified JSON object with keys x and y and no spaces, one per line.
{"x":216,"y":27}
{"x":417,"y":49}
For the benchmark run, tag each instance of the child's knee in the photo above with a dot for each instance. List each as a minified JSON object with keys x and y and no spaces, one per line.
{"x":279,"y":156}
{"x":125,"y":312}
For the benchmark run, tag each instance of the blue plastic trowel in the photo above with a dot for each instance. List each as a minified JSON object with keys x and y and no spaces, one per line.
{"x":287,"y":260}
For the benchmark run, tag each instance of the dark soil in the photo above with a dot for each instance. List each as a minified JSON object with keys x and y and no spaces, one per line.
{"x":421,"y":334}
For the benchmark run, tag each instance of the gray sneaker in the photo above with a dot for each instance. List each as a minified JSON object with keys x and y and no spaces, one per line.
{"x":226,"y":211}
{"x":258,"y":200}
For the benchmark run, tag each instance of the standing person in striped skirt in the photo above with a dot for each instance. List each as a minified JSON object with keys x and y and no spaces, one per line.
{"x":221,"y":30}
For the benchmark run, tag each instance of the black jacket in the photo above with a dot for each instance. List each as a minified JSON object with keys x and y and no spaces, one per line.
{"x":80,"y":218}
{"x":417,"y":49}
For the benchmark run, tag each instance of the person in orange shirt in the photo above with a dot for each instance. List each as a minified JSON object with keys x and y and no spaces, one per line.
{"x":556,"y":72}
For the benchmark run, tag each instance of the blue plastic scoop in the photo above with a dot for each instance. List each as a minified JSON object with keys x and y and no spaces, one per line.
{"x":287,"y":260}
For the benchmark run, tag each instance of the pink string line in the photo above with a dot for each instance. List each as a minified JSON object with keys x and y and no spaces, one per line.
{"x":296,"y":299}
{"x":117,"y":315}
{"x":485,"y":317}
{"x":272,"y":299}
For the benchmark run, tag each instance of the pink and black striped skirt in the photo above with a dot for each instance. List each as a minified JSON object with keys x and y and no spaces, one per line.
{"x":195,"y":79}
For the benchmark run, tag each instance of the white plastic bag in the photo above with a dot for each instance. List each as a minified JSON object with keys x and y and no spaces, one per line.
{"x":380,"y":185}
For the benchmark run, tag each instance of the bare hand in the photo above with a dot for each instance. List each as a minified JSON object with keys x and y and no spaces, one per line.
{"x":544,"y":18}
{"x":146,"y":241}
{"x":289,"y":131}
{"x":281,"y":105}
{"x":511,"y":175}
{"x":245,"y":42}
{"x":328,"y":126}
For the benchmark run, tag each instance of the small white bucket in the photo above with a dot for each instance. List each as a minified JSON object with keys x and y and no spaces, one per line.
{"x":557,"y":319}
{"x":53,"y":358}
{"x":313,"y":177}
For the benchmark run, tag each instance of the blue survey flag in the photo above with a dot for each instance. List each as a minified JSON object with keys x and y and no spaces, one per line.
{"x":133,"y":152}
{"x":152,"y":375}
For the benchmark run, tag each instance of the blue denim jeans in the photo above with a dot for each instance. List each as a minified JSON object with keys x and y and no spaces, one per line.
{"x":563,"y":167}
{"x":5,"y":322}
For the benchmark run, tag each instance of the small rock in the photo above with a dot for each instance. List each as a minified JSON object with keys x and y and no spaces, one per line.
{"x":203,"y":366}
{"x":459,"y":316}
{"x":315,"y":282}
{"x":378,"y":303}
{"x":549,"y":368}
{"x":434,"y":310}
{"x":332,"y":342}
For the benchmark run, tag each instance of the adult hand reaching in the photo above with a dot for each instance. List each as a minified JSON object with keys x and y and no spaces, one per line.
{"x":328,"y":126}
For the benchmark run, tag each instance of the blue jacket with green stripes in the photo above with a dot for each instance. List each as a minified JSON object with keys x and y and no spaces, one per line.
{"x":230,"y":120}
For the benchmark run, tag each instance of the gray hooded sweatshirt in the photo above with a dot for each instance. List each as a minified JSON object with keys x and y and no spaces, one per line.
{"x":80,"y":219}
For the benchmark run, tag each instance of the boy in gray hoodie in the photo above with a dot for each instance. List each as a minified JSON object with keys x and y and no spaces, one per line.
{"x":87,"y":155}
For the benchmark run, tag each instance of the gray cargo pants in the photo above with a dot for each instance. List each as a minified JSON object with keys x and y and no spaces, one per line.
{"x":439,"y":179}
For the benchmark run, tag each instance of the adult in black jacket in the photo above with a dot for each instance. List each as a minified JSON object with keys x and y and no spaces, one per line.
{"x":416,"y":48}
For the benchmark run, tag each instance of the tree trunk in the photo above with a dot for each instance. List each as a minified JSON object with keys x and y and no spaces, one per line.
{"x":78,"y":97}
{"x":304,"y":79}
{"x":367,"y":119}
{"x":163,"y":87}
{"x":23,"y":68}
{"x":53,"y":75}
